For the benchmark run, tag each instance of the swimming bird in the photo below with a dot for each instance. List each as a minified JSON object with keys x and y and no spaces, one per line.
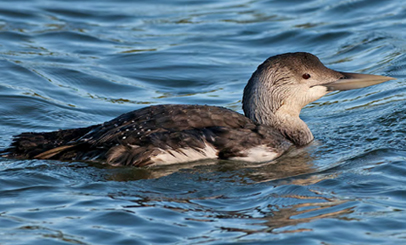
{"x":165,"y":134}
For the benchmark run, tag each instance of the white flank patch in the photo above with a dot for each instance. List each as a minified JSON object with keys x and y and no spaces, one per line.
{"x":259,"y":153}
{"x":184,"y":155}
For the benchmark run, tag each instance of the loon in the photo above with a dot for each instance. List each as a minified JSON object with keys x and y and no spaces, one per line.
{"x":165,"y":134}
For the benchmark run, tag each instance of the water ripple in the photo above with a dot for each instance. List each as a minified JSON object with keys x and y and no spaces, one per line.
{"x":77,"y":63}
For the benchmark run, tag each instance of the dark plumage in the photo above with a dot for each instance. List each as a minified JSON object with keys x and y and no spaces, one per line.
{"x":151,"y":129}
{"x":165,"y":134}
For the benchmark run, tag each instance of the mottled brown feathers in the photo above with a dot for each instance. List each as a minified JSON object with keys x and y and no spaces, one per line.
{"x":136,"y":137}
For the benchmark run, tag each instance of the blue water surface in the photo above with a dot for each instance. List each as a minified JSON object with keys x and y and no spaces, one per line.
{"x":66,"y":64}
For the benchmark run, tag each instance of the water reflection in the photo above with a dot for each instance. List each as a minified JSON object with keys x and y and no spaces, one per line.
{"x":283,"y":201}
{"x":293,"y":163}
{"x":290,"y":217}
{"x":266,"y":197}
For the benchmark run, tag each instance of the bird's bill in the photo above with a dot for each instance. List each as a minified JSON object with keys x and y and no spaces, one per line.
{"x":356,"y":80}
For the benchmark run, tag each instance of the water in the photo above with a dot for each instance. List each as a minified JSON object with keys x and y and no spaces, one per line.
{"x":71,"y":64}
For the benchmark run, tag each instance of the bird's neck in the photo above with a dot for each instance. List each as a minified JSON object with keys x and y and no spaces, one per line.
{"x":286,"y":121}
{"x":292,"y":127}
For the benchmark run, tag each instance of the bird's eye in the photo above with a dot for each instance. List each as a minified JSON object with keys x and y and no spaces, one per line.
{"x":306,"y":76}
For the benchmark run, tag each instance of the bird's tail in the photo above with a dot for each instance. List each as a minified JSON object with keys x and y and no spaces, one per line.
{"x":43,"y":145}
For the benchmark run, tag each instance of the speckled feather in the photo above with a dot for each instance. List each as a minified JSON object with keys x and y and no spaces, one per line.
{"x":136,"y":137}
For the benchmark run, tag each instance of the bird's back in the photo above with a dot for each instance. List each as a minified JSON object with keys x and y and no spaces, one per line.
{"x":160,"y":134}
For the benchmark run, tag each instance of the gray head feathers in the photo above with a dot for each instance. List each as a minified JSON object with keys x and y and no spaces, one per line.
{"x":284,"y":84}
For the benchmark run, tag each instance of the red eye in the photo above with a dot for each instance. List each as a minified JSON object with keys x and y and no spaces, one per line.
{"x":306,"y":76}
